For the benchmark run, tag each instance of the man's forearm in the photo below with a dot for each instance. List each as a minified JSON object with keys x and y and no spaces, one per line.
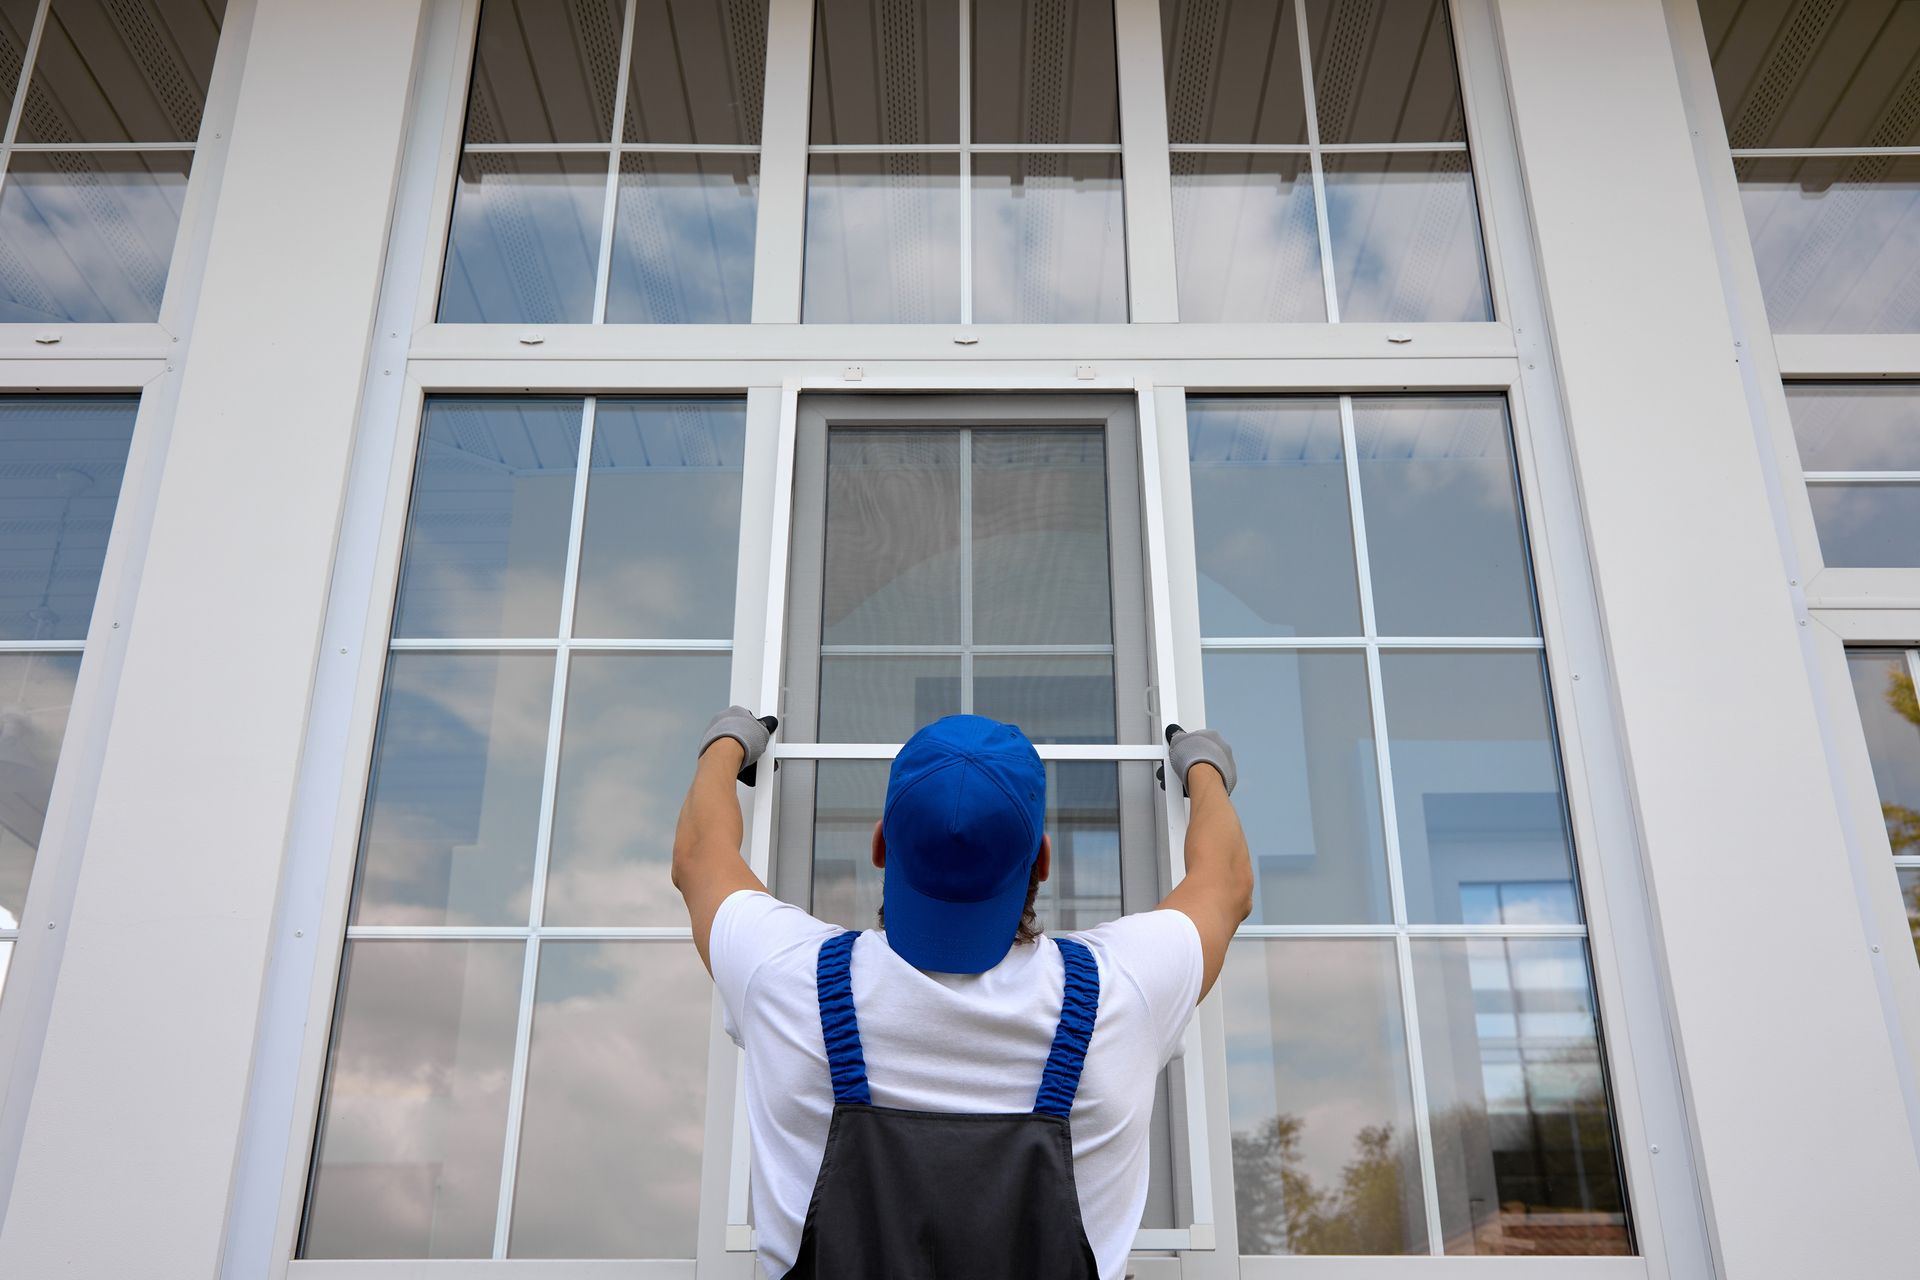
{"x":1216,"y":846}
{"x":710,"y":818}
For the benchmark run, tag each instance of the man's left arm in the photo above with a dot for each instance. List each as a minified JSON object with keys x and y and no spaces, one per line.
{"x":707,"y":866}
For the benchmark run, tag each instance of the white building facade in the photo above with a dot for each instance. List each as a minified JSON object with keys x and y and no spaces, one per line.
{"x":1501,"y":418}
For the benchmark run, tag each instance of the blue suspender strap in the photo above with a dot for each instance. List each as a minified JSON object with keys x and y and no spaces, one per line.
{"x":833,"y":980}
{"x":1079,"y":1006}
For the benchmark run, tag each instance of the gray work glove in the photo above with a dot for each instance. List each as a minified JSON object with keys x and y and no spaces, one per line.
{"x":750,"y":731}
{"x":1186,"y":748}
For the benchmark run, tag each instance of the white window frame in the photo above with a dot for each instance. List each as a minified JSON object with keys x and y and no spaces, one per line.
{"x":1836,"y":607}
{"x":130,"y":359}
{"x":773,"y":362}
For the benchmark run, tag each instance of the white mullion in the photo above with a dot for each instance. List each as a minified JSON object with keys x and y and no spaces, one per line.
{"x":1290,"y":643}
{"x":42,"y":646}
{"x":603,"y":274}
{"x":102,"y":146}
{"x":1302,"y":148}
{"x":887,"y":750}
{"x":515,"y":932}
{"x":19,"y":104}
{"x":429,"y":644}
{"x":1861,"y":477}
{"x":516,"y":1095}
{"x":1570,"y":930}
{"x":953,"y":650}
{"x":1819,"y":153}
{"x":1390,"y":824}
{"x":966,"y":258}
{"x":966,"y":570}
{"x":1319,"y":180}
{"x":543,"y":838}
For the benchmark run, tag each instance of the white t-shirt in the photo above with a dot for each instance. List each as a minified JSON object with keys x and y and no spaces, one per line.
{"x":951,"y":1043}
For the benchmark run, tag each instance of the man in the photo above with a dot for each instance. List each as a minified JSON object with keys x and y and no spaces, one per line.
{"x":956,"y":1095}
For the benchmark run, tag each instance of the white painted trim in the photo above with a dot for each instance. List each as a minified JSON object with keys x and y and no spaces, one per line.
{"x":1863,"y":356}
{"x":494,"y":1269}
{"x":1444,"y":1268}
{"x":1153,"y":293}
{"x":780,"y":236}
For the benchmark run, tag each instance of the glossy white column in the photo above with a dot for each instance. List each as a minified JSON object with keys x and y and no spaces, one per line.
{"x":129,"y":1145}
{"x":1796,"y":1112}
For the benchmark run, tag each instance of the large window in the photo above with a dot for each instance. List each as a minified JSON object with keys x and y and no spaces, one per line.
{"x":104,"y":102}
{"x":1413,"y":1051}
{"x":518,"y":1065}
{"x":965,"y":164}
{"x":610,"y":169}
{"x":1320,"y":167}
{"x":1820,"y":108}
{"x":1883,"y":685}
{"x":62,"y":459}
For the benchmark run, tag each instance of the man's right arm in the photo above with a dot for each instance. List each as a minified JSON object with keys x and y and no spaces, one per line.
{"x":1217,"y":891}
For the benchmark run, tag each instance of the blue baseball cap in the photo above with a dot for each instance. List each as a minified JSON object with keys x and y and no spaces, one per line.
{"x":966,"y":805}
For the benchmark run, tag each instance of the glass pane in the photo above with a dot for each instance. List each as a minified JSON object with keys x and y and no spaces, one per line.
{"x":1476,"y":786}
{"x":1325,"y":1159}
{"x":453,"y":799}
{"x":1302,"y":726}
{"x":1867,"y":526}
{"x":1835,"y":75}
{"x":683,"y":232}
{"x":1272,"y":533}
{"x":1052,"y":698}
{"x":1383,"y":72}
{"x":90,"y":233}
{"x":885,"y":72}
{"x":487,"y":532}
{"x":62,"y":461}
{"x":1083,"y":823}
{"x":1049,"y":243}
{"x":525,"y":241}
{"x":612,"y":1136}
{"x":1909,"y":893}
{"x":697,"y":72}
{"x":1856,"y":426}
{"x":626,"y":756}
{"x":1044,"y":73}
{"x":1082,"y":889}
{"x":848,"y":796}
{"x":16,"y":26}
{"x":893,"y":538}
{"x":662,"y":530}
{"x":111,"y":71}
{"x":1837,"y":241}
{"x":1245,"y":238}
{"x":1444,"y":538}
{"x":1406,"y":237}
{"x":1890,"y":716}
{"x":1040,"y":572}
{"x":866,"y":698}
{"x":1233,"y":72}
{"x":36,"y":690}
{"x":545,"y":72}
{"x":414,"y":1121}
{"x":883,"y":240}
{"x":1522,"y":1129}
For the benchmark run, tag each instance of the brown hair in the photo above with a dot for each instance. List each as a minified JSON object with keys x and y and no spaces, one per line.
{"x":1029,"y":928}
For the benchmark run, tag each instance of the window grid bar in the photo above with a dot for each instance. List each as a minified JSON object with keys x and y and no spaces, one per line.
{"x":966,"y":567}
{"x":603,"y":270}
{"x":101,"y":146}
{"x":965,"y":9}
{"x":1861,"y":477}
{"x":42,"y":646}
{"x":18,"y":107}
{"x":952,"y":650}
{"x":591,"y":148}
{"x":543,"y":837}
{"x":1389,"y":815}
{"x":1789,"y":153}
{"x":1411,"y":930}
{"x":1104,"y":751}
{"x":957,"y":148}
{"x":1310,"y":148}
{"x":1322,"y":228}
{"x":519,"y":932}
{"x":419,"y":644}
{"x":1383,"y":642}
